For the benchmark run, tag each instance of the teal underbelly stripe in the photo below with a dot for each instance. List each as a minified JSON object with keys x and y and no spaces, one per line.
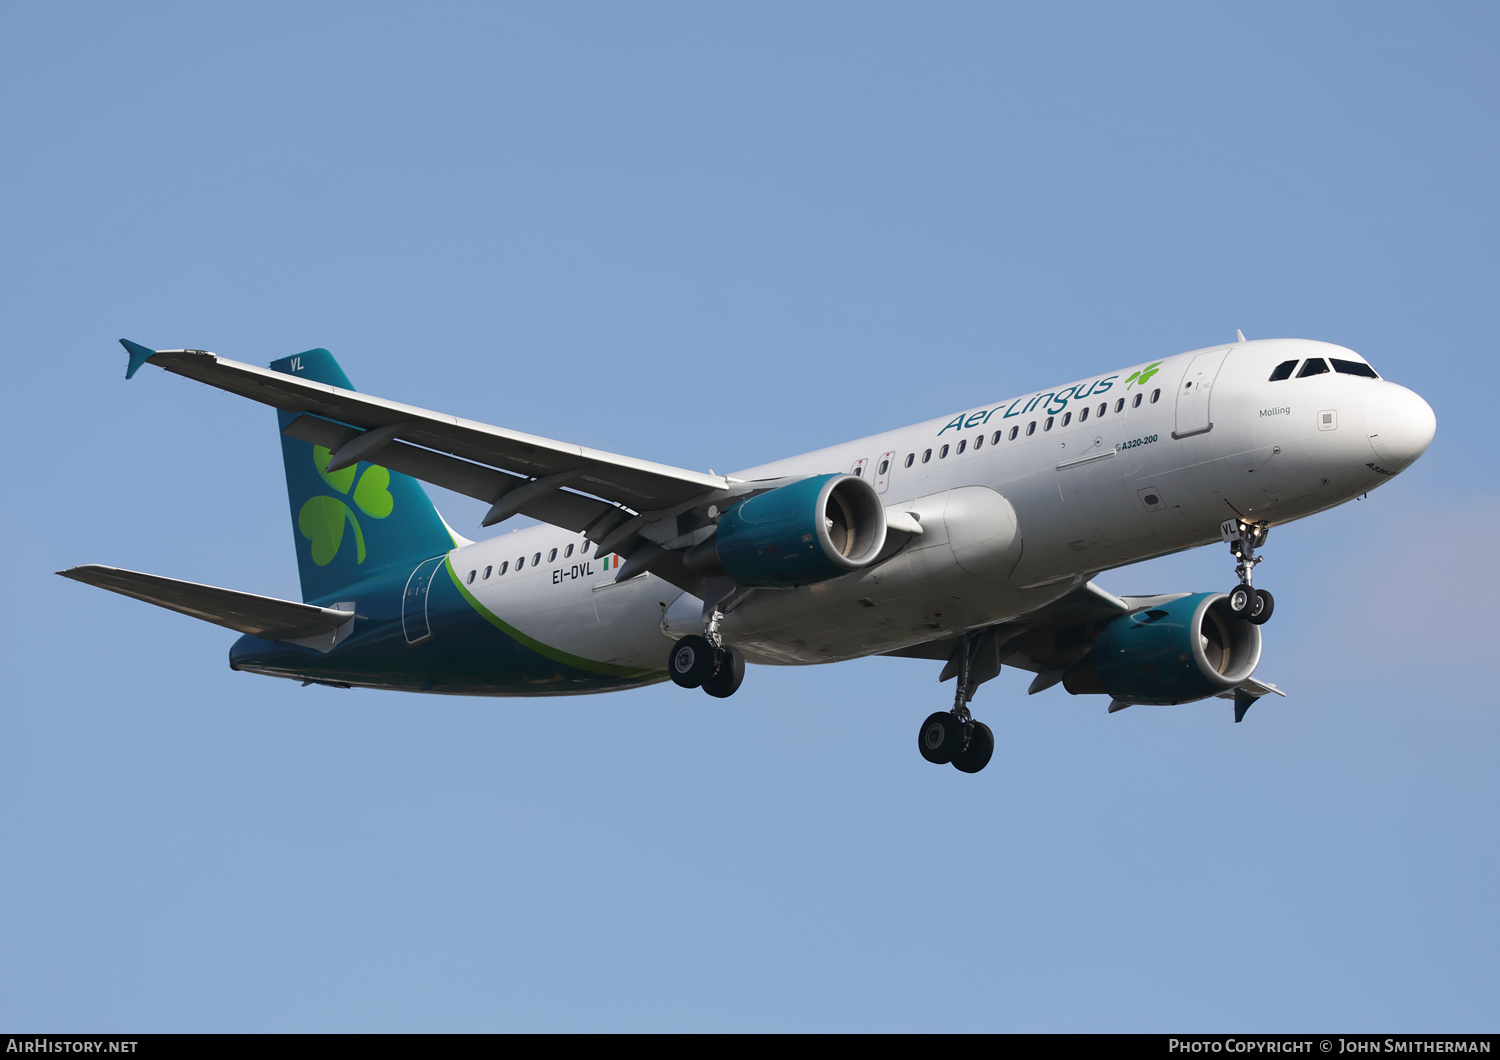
{"x":546,"y":650}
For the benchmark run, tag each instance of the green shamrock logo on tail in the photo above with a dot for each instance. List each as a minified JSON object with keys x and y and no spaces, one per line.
{"x":322,"y":518}
{"x":1143,"y":375}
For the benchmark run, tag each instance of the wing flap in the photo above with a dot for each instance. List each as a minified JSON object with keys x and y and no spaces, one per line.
{"x":571,"y":511}
{"x":259,"y":616}
{"x":1253,"y":687}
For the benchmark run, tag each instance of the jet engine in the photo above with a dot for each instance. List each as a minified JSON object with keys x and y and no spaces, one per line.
{"x":798,"y":534}
{"x":1188,"y":649}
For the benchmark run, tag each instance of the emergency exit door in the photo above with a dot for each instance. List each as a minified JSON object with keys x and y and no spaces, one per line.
{"x":414,"y":601}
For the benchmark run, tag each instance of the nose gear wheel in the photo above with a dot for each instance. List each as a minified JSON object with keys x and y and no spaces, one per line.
{"x":1244,"y":537}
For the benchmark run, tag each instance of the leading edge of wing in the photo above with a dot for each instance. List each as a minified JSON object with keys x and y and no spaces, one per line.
{"x":641,"y":484}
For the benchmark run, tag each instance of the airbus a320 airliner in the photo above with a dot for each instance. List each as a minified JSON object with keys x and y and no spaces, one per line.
{"x":969,"y":539}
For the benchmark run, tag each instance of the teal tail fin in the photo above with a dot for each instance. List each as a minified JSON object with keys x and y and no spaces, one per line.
{"x":353,"y":523}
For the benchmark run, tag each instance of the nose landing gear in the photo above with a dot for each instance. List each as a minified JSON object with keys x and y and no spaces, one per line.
{"x":1245,"y":601}
{"x":953,"y":736}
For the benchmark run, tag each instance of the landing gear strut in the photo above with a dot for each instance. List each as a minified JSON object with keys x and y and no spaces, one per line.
{"x":953,"y":736}
{"x":1245,"y":601}
{"x":707,"y":662}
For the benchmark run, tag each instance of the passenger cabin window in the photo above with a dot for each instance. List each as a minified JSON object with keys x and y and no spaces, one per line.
{"x":568,"y":552}
{"x":910,"y":459}
{"x":978,"y":441}
{"x":1314,"y":366}
{"x":504,"y":567}
{"x":885,"y":465}
{"x":1282,"y":371}
{"x":1068,"y":417}
{"x":487,"y":571}
{"x":996,"y":439}
{"x":471,"y":576}
{"x":1353,"y":368}
{"x":536,"y":559}
{"x":1155,"y":394}
{"x":552,"y":555}
{"x":520,"y":563}
{"x":963,"y":443}
{"x":1031,"y":428}
{"x":926,"y":455}
{"x":1120,"y":405}
{"x":1137,"y":402}
{"x":1048,"y":425}
{"x":943,"y":453}
{"x":1083,"y":414}
{"x":1015,"y":431}
{"x":1102,"y":409}
{"x":859,"y":472}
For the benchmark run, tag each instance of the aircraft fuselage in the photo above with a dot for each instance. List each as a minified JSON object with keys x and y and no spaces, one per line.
{"x":1019,"y":501}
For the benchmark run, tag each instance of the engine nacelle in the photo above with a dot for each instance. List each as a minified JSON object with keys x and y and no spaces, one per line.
{"x":799,"y":534}
{"x":1181,"y":651}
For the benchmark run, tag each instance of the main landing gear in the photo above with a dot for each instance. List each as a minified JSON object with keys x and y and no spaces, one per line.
{"x":1245,"y":601}
{"x":707,"y":662}
{"x":953,"y":736}
{"x":695,"y":663}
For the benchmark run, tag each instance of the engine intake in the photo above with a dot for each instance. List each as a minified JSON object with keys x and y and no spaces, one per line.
{"x":805,"y":532}
{"x":1185,"y":650}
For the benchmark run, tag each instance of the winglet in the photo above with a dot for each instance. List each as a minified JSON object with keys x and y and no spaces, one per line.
{"x":139,"y":355}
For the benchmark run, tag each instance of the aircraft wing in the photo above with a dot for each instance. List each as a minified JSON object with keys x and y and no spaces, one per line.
{"x":1042,"y":640}
{"x":1053,"y":637}
{"x":514,"y":472}
{"x":260,"y":616}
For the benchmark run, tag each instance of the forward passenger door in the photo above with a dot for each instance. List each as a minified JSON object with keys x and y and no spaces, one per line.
{"x":1195,"y":392}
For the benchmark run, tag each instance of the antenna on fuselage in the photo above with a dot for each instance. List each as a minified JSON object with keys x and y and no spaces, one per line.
{"x":1240,"y":333}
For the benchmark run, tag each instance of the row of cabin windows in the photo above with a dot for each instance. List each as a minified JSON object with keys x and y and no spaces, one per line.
{"x":1318,"y":366}
{"x":536,"y":561}
{"x":1015,"y":431}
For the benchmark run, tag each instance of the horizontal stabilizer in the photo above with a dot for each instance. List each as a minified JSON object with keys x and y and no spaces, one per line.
{"x":259,"y":616}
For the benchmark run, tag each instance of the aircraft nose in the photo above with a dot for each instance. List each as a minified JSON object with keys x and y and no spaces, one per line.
{"x":1400,"y":426}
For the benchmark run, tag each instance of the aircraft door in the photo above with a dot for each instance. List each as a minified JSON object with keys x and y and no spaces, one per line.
{"x":1194,"y":392}
{"x":883,"y":471}
{"x":414,"y":601}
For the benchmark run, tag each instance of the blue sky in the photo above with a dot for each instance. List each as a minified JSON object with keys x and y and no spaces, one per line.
{"x":713,"y":235}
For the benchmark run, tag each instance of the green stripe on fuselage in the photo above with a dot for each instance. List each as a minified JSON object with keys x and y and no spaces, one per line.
{"x":546,"y":650}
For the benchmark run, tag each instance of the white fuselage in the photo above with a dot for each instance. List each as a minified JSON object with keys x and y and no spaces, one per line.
{"x":1009,"y":523}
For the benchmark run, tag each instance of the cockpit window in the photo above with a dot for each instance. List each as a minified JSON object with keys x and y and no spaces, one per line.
{"x":1314,"y":366}
{"x":1283,"y":371}
{"x":1353,"y":368}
